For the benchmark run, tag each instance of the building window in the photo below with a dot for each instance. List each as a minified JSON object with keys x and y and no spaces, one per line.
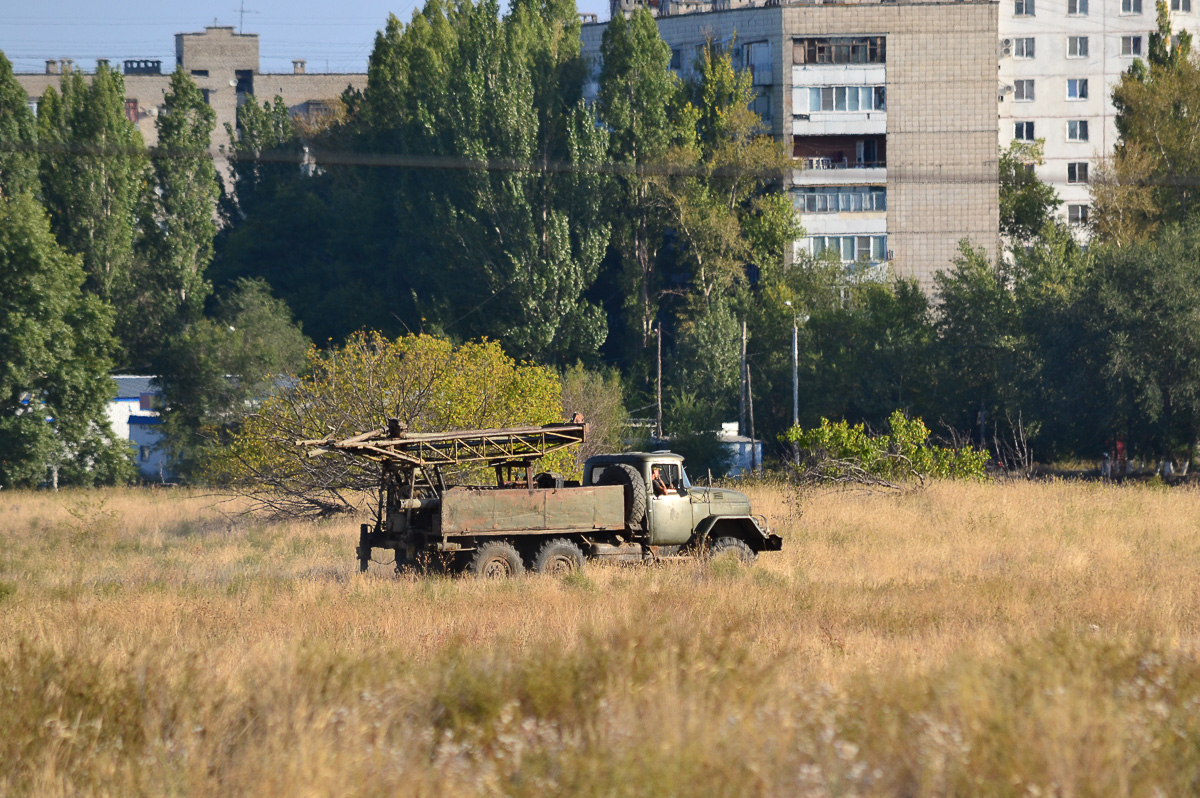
{"x":1182,"y":5}
{"x":1077,"y":172}
{"x":1131,"y":46}
{"x":1131,"y":6}
{"x":1023,"y":48}
{"x":839,"y":50}
{"x":1023,"y":8}
{"x":758,"y":61}
{"x":761,"y":105}
{"x":199,"y":73}
{"x":676,"y":59}
{"x":841,"y":199}
{"x":1024,"y":91}
{"x":131,"y":111}
{"x":32,"y":105}
{"x":850,"y":248}
{"x":1077,"y":130}
{"x":844,"y":98}
{"x":1077,"y":89}
{"x":1077,"y":8}
{"x":1077,"y":46}
{"x":1077,"y":214}
{"x":205,"y":93}
{"x":1023,"y":131}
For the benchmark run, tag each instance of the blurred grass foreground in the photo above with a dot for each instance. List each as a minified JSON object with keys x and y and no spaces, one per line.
{"x":1009,"y":639}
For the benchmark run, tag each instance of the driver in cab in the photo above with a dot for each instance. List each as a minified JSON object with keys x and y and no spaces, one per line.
{"x":661,"y":488}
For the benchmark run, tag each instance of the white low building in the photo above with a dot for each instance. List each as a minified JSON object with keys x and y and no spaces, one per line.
{"x":134,"y":417}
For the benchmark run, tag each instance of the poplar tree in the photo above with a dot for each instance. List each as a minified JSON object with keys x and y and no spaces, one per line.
{"x":640,"y":102}
{"x":18,"y":136}
{"x":170,"y":286}
{"x":93,"y":175}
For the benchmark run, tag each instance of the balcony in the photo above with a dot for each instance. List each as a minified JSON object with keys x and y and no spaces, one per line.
{"x":839,"y":160}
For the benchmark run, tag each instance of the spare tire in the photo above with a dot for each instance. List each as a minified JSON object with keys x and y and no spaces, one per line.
{"x":635,"y":491}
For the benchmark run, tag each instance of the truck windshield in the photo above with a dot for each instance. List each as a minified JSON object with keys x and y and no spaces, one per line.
{"x":683,"y":480}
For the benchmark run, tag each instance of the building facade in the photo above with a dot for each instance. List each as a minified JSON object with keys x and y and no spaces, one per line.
{"x":893,"y":138}
{"x":1059,"y":61}
{"x":225,"y":66}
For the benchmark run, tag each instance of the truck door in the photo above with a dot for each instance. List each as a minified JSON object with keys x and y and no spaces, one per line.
{"x":670,"y":512}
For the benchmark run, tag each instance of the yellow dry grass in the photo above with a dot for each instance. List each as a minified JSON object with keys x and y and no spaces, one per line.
{"x":1014,"y":639}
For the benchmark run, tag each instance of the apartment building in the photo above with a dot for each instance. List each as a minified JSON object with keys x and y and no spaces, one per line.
{"x":888,"y":108}
{"x":224,"y":64}
{"x":1059,"y":61}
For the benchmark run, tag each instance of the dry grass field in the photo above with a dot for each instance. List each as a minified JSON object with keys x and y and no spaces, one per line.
{"x":1012,"y":639}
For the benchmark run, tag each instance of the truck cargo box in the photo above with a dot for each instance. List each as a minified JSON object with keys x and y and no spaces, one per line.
{"x":473,"y":511}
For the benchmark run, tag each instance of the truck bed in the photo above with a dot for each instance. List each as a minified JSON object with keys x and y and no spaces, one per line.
{"x":474,"y":511}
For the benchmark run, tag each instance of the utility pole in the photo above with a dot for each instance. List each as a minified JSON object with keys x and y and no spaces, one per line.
{"x":754,"y":464}
{"x":658,"y":428}
{"x":742,"y":392}
{"x":795,"y":366}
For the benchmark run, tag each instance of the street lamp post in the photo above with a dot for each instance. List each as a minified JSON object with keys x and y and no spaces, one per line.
{"x":795,"y":367}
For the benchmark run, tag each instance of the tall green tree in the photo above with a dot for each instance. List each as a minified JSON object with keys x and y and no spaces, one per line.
{"x":642,"y":103}
{"x":170,"y":284}
{"x":18,"y":136}
{"x":1153,"y":174}
{"x":93,"y":176}
{"x":1143,"y":309}
{"x":55,"y":353}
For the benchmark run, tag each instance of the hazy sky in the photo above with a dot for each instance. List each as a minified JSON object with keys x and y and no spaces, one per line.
{"x":331,"y":36}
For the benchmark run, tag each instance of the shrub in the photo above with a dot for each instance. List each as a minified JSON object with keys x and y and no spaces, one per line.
{"x":839,"y":451}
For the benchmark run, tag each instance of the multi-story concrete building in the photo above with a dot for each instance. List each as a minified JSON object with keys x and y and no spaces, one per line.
{"x":889,"y":110}
{"x":225,"y":65}
{"x":1059,"y":61}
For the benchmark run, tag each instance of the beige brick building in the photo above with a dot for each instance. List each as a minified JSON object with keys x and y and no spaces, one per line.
{"x":890,"y":112}
{"x":225,"y":65}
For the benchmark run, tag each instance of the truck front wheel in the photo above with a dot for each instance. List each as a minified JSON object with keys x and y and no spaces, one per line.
{"x":736,"y":546}
{"x":558,"y":557}
{"x":496,"y":559}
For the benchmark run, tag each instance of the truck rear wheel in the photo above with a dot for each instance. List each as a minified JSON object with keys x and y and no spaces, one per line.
{"x":736,"y":546}
{"x":635,"y":490}
{"x":496,"y":559}
{"x":558,"y":557}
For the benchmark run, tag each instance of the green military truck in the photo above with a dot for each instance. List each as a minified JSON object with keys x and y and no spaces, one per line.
{"x":539,"y":521}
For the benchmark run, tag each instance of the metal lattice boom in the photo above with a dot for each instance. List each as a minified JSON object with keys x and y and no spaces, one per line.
{"x":430,"y":449}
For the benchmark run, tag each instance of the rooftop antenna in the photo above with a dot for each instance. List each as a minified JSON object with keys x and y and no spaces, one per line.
{"x":242,"y":12}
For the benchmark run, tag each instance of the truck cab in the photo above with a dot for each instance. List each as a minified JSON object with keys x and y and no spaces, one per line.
{"x":678,"y":513}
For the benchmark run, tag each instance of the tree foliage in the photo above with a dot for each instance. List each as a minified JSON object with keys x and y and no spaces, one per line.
{"x":18,"y":137}
{"x":1026,"y":203}
{"x":93,"y":177}
{"x":55,"y":352}
{"x":425,"y":382}
{"x":1152,"y":176}
{"x":218,"y":366}
{"x":170,"y":283}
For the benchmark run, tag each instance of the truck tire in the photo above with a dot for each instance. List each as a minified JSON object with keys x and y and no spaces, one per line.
{"x":635,"y":490}
{"x":558,"y":557}
{"x":495,"y":559}
{"x":735,"y":545}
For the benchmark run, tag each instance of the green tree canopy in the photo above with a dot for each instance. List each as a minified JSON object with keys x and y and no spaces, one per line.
{"x":18,"y":136}
{"x":55,"y":353}
{"x":220,"y":365}
{"x":94,"y":176}
{"x":425,"y":382}
{"x":1026,"y":203}
{"x":1154,"y":171}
